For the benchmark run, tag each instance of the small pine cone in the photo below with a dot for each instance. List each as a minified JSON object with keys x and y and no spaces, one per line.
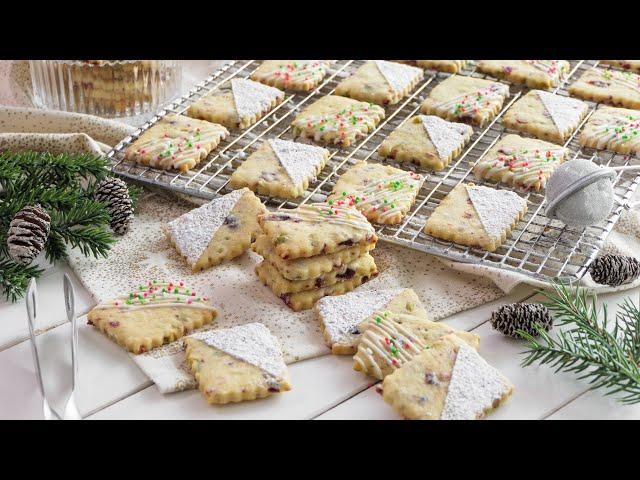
{"x":28,"y":232}
{"x":114,"y":193}
{"x":614,"y":270}
{"x":521,"y":316}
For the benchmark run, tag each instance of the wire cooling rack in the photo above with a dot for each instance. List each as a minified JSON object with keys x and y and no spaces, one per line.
{"x":539,"y":247}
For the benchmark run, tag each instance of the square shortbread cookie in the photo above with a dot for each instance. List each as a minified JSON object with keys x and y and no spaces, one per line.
{"x":615,"y":129}
{"x":449,"y":381}
{"x":533,"y":73}
{"x":476,"y":216}
{"x":466,"y":99}
{"x":312,"y":267}
{"x":340,"y":317}
{"x":237,"y":364}
{"x":300,"y":75}
{"x":337,"y":120}
{"x":380,"y":82}
{"x":631,"y":65}
{"x":384,"y":194}
{"x":280,"y":168}
{"x":219,"y":230}
{"x":426,"y":140}
{"x":152,"y":315}
{"x":620,"y":89}
{"x":545,"y":115}
{"x":238,"y":104}
{"x":521,"y":162}
{"x":175,"y":142}
{"x":361,"y":266}
{"x":389,"y":340}
{"x":315,"y":229}
{"x":449,"y":66}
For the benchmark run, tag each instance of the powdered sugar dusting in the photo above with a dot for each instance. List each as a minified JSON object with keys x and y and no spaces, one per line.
{"x":252,"y":98}
{"x":252,"y":343}
{"x":341,"y":314}
{"x":193,"y":231}
{"x":564,"y":111}
{"x":398,"y":75}
{"x":497,"y":209}
{"x":300,"y":161}
{"x":445,"y":136}
{"x":474,"y":386}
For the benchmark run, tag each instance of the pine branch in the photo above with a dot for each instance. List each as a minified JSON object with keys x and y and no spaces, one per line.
{"x":14,"y":278}
{"x":607,"y":356}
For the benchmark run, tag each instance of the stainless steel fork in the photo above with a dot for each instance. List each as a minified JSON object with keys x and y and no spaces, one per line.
{"x":71,"y":410}
{"x":32,"y":315}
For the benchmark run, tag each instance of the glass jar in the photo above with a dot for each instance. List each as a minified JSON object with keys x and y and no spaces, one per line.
{"x":108,"y":88}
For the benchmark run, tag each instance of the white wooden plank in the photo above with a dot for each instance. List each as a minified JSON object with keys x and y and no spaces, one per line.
{"x":13,"y":316}
{"x":593,"y":405}
{"x":317,"y":384}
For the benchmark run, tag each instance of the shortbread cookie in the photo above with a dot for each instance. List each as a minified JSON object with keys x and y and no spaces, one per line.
{"x":307,"y":298}
{"x":380,"y":82}
{"x":545,"y":115}
{"x":615,"y":129}
{"x":219,"y":230}
{"x":532,"y":73}
{"x":466,"y":99}
{"x":309,"y":268}
{"x":339,"y":317}
{"x":280,"y":168}
{"x":521,"y":162}
{"x":449,"y":66}
{"x":449,"y":381}
{"x":631,"y":65}
{"x":476,"y":216}
{"x":152,"y":315}
{"x":300,"y":75}
{"x":175,"y":142}
{"x":384,"y":194}
{"x":337,"y":120}
{"x":362,"y":266}
{"x":620,"y":89}
{"x":426,"y":140}
{"x":390,"y":340}
{"x":237,"y":364}
{"x":239,"y":104}
{"x":315,"y":229}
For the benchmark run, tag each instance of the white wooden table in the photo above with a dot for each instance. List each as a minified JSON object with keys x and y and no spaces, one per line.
{"x":112,"y":386}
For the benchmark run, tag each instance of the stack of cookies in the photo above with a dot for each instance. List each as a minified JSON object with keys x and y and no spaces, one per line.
{"x":313,"y":251}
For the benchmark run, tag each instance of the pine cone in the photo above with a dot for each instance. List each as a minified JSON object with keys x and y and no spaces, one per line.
{"x":114,"y":193}
{"x":521,"y":316}
{"x":28,"y":232}
{"x":614,"y":270}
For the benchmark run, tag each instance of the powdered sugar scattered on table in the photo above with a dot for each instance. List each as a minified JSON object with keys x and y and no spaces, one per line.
{"x":300,"y":161}
{"x":474,"y":386}
{"x":252,"y":343}
{"x":252,"y":98}
{"x":398,"y":75}
{"x":445,"y":136}
{"x":564,"y":111}
{"x":497,"y":209}
{"x":341,"y":314}
{"x":193,"y":231}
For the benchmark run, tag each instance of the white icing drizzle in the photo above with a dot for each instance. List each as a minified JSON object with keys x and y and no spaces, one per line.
{"x":397,"y":75}
{"x":296,"y":70}
{"x":550,"y":67}
{"x":253,"y":98}
{"x":156,"y":294}
{"x":299,"y":160}
{"x":182,"y":145}
{"x":476,"y":102}
{"x":617,"y":127}
{"x":252,"y":343}
{"x":497,"y":209}
{"x":617,"y":78}
{"x":341,"y":314}
{"x":387,"y":196}
{"x":445,"y":136}
{"x":193,"y":231}
{"x":474,"y":386}
{"x":564,"y":111}
{"x":526,"y":167}
{"x":322,"y":212}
